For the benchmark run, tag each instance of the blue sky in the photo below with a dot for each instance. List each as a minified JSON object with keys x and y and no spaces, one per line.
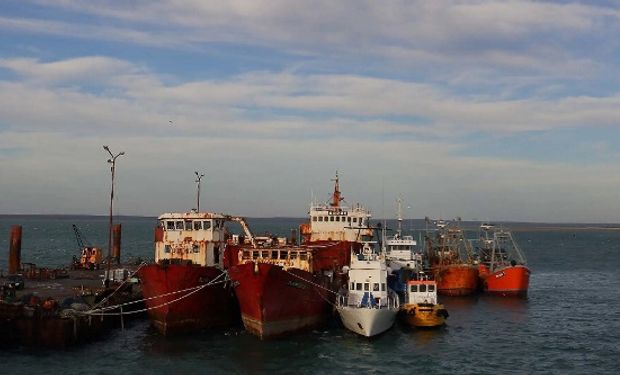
{"x":480,"y":109}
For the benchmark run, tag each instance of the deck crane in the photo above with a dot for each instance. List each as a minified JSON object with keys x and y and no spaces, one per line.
{"x":90,"y":256}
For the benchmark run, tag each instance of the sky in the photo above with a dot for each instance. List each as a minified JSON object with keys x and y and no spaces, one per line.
{"x":485,"y":110}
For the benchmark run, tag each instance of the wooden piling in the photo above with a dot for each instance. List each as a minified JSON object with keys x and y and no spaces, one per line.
{"x":15,"y":250}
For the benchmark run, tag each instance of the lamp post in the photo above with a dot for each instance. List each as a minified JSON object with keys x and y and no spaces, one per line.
{"x":198,"y":178}
{"x":112,"y":161}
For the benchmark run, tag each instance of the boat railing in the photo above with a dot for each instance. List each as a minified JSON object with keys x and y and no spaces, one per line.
{"x":390,"y":302}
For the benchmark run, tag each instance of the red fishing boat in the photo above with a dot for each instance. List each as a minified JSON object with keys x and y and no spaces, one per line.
{"x":503,"y":269}
{"x":282,"y":290}
{"x":451,"y":260}
{"x":186,"y":289}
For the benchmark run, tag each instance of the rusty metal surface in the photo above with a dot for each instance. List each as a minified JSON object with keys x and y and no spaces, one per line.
{"x":15,"y":249}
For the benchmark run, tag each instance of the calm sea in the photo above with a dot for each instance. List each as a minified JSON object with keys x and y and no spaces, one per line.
{"x":570,"y":323}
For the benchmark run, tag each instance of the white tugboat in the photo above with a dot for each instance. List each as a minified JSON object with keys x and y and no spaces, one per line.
{"x":368,"y":308}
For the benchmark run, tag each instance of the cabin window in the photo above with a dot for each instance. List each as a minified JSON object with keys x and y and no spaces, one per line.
{"x":254,"y":254}
{"x":179,"y":225}
{"x":355,"y":220}
{"x":431,"y":288}
{"x":265,"y":254}
{"x":414,"y":288}
{"x":383,"y":287}
{"x":314,"y":218}
{"x":320,"y":218}
{"x":170,"y":225}
{"x":293,"y":255}
{"x":188,"y":225}
{"x":197,"y":225}
{"x":331,"y":218}
{"x":423,"y":288}
{"x":358,"y":286}
{"x":375,"y":287}
{"x":283,"y":254}
{"x":303,"y":256}
{"x":337,"y":218}
{"x":167,"y":249}
{"x":366,"y":287}
{"x":206,"y":224}
{"x":195,"y":248}
{"x":352,"y":286}
{"x":349,"y":219}
{"x":361,"y":222}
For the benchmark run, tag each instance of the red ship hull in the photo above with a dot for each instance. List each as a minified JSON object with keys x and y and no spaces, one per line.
{"x":507,"y":281}
{"x":456,"y":279}
{"x":212,"y":306}
{"x":276,"y":302}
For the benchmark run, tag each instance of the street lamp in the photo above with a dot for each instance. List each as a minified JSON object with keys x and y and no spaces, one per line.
{"x":112,"y":161}
{"x":198,"y":178}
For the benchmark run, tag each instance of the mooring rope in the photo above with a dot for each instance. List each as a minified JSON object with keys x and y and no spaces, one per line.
{"x":119,"y":287}
{"x":192,"y":290}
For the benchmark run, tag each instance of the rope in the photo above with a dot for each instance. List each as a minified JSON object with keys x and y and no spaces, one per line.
{"x":318,"y":286}
{"x":101,"y":311}
{"x":119,"y":287}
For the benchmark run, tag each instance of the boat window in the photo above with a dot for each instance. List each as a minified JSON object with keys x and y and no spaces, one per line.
{"x":265,"y":254}
{"x":331,"y":218}
{"x":254,"y":254}
{"x":179,"y":225}
{"x":320,"y":218}
{"x":367,"y":286}
{"x":352,"y":286}
{"x":414,"y":288}
{"x":313,"y":218}
{"x":167,"y":249}
{"x":283,"y":254}
{"x":423,"y":288}
{"x":206,"y":224}
{"x":188,"y":225}
{"x":383,"y":287}
{"x":337,"y":218}
{"x":431,"y":288}
{"x":197,"y":225}
{"x":303,"y":256}
{"x":358,"y":286}
{"x":349,"y":219}
{"x":170,"y":225}
{"x":355,"y":220}
{"x":375,"y":287}
{"x":294,"y":255}
{"x":195,"y":248}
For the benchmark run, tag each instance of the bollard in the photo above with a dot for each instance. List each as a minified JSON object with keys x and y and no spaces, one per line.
{"x":116,"y":243}
{"x":15,"y":251}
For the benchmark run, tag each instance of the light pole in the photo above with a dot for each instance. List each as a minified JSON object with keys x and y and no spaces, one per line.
{"x":198,"y":178}
{"x":112,"y":161}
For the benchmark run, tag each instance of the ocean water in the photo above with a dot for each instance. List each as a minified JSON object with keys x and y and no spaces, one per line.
{"x":569,"y":324}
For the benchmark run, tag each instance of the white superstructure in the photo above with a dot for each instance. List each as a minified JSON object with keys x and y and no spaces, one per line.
{"x":196,"y":237}
{"x":368,"y":307}
{"x":335,"y":222}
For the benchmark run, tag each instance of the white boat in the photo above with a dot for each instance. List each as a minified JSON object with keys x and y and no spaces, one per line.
{"x":400,"y":249}
{"x":368,"y":307}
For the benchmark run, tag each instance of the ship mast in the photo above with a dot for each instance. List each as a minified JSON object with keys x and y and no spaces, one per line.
{"x":198,"y":178}
{"x":400,"y":217}
{"x":336,"y":197}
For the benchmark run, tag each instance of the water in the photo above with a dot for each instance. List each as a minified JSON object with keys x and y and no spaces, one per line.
{"x":568,"y":325}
